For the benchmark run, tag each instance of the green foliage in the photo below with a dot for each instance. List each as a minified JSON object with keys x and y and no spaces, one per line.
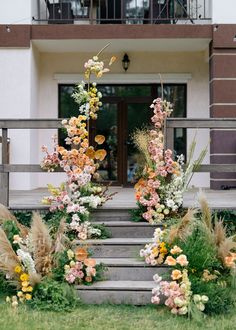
{"x":200,"y":252}
{"x":50,"y":295}
{"x":5,"y":286}
{"x":221,"y":298}
{"x":105,"y":232}
{"x":229,"y":219}
{"x":24,"y":217}
{"x":10,"y":229}
{"x":59,"y":271}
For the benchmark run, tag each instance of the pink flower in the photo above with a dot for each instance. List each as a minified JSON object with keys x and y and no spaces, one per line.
{"x":155,"y":300}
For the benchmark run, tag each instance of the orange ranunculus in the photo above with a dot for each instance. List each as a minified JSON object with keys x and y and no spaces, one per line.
{"x":170,"y":261}
{"x":74,"y":152}
{"x":90,"y":262}
{"x":99,"y":139}
{"x":88,"y":279}
{"x":137,"y":196}
{"x":81,"y":254}
{"x":100,"y":154}
{"x":76,"y":140}
{"x":90,"y":152}
{"x":141,"y":183}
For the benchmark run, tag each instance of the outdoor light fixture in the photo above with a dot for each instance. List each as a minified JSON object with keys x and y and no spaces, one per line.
{"x":125,"y":62}
{"x":8,"y":28}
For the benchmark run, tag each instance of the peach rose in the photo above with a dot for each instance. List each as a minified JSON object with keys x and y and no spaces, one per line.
{"x":182,"y":260}
{"x":176,"y":250}
{"x":176,"y":274}
{"x":170,"y":261}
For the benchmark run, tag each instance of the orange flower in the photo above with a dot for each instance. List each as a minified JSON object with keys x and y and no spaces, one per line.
{"x":137,"y":196}
{"x":112,"y":60}
{"x":99,"y":139}
{"x":90,"y":262}
{"x":74,"y":152}
{"x":176,"y":274}
{"x":170,"y":261}
{"x":81,"y":254}
{"x":88,"y":279}
{"x":90,"y":153}
{"x":100,"y":154}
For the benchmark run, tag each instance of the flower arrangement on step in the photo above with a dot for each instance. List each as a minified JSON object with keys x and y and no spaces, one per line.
{"x":75,"y":198}
{"x":202,"y":261}
{"x":41,"y":265}
{"x":159,"y":191}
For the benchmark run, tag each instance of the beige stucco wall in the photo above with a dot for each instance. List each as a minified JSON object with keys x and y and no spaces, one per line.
{"x":187,"y":62}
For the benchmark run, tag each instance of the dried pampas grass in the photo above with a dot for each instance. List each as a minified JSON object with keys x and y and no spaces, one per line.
{"x":183,"y":229}
{"x":41,"y":244}
{"x":8,"y":257}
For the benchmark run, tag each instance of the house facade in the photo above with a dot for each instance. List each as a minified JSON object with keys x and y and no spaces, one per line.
{"x":189,"y":46}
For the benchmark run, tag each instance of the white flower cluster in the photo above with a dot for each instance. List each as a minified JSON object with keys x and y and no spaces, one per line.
{"x":92,"y":201}
{"x":27,"y":260}
{"x":84,"y":230}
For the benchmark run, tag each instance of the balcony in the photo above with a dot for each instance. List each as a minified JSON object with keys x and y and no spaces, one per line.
{"x":123,"y":11}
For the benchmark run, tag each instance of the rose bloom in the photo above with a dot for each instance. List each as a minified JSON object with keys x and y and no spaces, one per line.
{"x":170,"y":261}
{"x":176,"y":274}
{"x":176,"y":250}
{"x":182,"y":260}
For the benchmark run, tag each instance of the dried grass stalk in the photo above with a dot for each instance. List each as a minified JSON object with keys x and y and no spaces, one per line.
{"x":8,"y":257}
{"x":206,"y":211}
{"x":141,"y":140}
{"x":5,"y":214}
{"x":41,"y":245}
{"x":225,"y":248}
{"x":183,"y":229}
{"x":60,"y":238}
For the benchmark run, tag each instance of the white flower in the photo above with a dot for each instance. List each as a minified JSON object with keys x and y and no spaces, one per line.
{"x":157,"y":278}
{"x":27,"y":261}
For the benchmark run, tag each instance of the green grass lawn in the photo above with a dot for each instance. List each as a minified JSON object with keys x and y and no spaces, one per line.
{"x":107,"y":317}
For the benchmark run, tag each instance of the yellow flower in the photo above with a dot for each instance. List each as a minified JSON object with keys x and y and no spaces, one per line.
{"x":8,"y":299}
{"x":28,"y":296}
{"x":24,"y":277}
{"x":29,"y":289}
{"x":24,"y":289}
{"x":25,"y":283}
{"x":18,"y":269}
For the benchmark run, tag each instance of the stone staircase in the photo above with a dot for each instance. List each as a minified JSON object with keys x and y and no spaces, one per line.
{"x":128,"y":280}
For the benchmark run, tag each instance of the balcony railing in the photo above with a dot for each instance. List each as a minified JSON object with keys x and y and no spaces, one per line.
{"x":123,"y":11}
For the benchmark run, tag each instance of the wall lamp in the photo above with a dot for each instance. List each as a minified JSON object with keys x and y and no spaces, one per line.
{"x":125,"y":62}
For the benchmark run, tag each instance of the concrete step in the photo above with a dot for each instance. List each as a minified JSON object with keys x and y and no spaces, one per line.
{"x":123,"y":269}
{"x":127,"y":229}
{"x":117,"y":292}
{"x":116,"y":247}
{"x":110,"y":214}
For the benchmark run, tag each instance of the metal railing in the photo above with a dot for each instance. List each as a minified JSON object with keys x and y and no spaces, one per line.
{"x":171,"y":124}
{"x":122,"y":11}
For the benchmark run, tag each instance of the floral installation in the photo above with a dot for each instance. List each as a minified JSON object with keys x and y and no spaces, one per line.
{"x":159,"y":191}
{"x":33,"y":258}
{"x":202,"y":265}
{"x":75,"y":198}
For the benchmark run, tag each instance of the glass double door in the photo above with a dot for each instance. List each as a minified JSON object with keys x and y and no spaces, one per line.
{"x":117,"y":121}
